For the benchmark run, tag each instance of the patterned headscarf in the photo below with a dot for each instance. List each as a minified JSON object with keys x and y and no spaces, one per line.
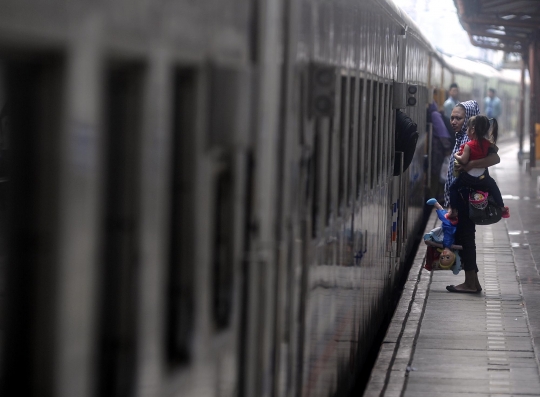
{"x":471,"y":109}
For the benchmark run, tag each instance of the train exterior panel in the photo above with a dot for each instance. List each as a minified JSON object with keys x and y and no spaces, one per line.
{"x":202,"y":193}
{"x":349,"y":261}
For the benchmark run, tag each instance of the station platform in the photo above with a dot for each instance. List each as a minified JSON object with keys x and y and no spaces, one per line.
{"x":441,"y":343}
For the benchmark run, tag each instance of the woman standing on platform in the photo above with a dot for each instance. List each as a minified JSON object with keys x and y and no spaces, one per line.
{"x":465,"y":232}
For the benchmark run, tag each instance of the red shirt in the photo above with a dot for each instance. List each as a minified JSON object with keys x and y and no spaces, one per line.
{"x":478,"y":149}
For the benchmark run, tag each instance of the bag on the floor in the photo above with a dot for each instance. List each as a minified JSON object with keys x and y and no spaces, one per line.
{"x":482,"y":208}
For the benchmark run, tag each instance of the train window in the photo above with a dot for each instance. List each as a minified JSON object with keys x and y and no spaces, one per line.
{"x":229,"y":88}
{"x":386,"y":135}
{"x":120,"y":237}
{"x":180,"y":289}
{"x":324,"y":153}
{"x":222,"y":273}
{"x":31,"y":88}
{"x":368,"y":128}
{"x":316,"y":159}
{"x":380,"y":132}
{"x":350,"y":141}
{"x":361,"y":138}
{"x":375,"y":134}
{"x":329,"y":185}
{"x":343,"y":132}
{"x":318,"y":178}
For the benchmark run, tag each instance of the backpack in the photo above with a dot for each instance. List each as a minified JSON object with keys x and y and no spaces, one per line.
{"x":406,"y":136}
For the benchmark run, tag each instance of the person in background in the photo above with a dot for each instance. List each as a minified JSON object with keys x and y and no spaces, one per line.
{"x":442,"y":144}
{"x":492,"y":104}
{"x":452,"y":101}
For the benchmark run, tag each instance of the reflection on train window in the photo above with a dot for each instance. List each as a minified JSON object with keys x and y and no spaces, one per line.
{"x":120,"y":238}
{"x":180,"y":289}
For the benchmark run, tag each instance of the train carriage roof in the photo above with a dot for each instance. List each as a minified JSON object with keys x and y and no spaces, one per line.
{"x":405,"y":21}
{"x":471,"y":67}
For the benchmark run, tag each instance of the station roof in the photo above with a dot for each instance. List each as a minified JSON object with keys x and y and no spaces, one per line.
{"x":505,"y":25}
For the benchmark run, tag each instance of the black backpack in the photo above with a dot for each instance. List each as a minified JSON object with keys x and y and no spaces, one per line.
{"x":406,"y":136}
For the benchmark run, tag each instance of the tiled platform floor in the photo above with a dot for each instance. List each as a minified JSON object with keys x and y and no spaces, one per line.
{"x":487,"y":344}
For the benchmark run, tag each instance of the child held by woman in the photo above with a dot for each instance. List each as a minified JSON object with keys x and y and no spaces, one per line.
{"x":478,"y":132}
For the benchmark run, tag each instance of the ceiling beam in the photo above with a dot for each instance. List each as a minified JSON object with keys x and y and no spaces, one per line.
{"x":496,"y":47}
{"x":512,"y":41}
{"x":509,"y":6}
{"x":494,"y":20}
{"x":518,"y":15}
{"x":500,"y":22}
{"x":521,"y":44}
{"x":492,"y":3}
{"x":507,"y":43}
{"x":506,"y":37}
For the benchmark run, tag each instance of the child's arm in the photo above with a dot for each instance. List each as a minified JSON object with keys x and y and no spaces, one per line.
{"x":488,"y":161}
{"x":464,"y":157}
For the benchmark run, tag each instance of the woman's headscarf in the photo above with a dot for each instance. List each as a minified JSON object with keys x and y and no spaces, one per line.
{"x":471,"y":109}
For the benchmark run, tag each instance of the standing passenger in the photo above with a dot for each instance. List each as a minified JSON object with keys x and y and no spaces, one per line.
{"x":452,"y":100}
{"x":442,"y":144}
{"x":492,"y":104}
{"x":465,"y":232}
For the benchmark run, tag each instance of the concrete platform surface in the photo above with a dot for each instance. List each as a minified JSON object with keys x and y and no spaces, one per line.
{"x":487,"y":344}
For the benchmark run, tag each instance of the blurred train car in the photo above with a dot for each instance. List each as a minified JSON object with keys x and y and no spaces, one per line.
{"x":199,"y":197}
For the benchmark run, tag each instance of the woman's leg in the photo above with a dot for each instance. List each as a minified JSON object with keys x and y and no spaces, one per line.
{"x":454,"y":197}
{"x":465,"y":236}
{"x":471,"y":282}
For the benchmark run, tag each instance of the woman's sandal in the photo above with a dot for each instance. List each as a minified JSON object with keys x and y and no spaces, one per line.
{"x":452,"y":288}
